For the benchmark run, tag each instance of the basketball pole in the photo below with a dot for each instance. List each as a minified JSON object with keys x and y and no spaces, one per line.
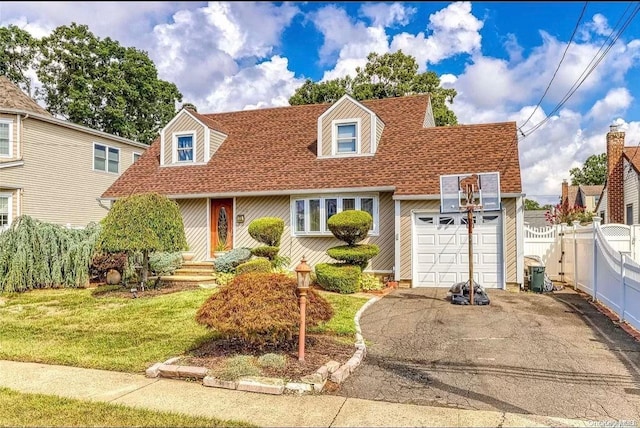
{"x":470,"y":239}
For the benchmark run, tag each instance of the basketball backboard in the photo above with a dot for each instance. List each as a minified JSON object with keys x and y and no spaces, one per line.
{"x":453,"y":198}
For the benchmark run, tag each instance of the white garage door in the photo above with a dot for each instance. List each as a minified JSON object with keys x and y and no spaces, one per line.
{"x":441,"y":251}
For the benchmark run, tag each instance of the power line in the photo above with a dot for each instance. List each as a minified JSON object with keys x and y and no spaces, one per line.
{"x":575,"y":29}
{"x":590,"y":68}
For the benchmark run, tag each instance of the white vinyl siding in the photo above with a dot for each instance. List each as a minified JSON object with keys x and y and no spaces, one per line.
{"x":310,"y":214}
{"x":6,"y":138}
{"x":106,"y":158}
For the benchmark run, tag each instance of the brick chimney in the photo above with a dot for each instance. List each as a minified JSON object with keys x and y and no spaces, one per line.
{"x":615,"y":175}
{"x":565,"y":191}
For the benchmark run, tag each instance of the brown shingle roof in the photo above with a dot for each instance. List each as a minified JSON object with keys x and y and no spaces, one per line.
{"x":12,"y":97}
{"x":593,"y":190}
{"x":274,"y":149}
{"x":633,"y":156}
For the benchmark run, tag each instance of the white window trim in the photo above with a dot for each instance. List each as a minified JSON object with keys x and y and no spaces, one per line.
{"x":10,"y":210}
{"x":174,"y":147}
{"x":334,"y":136}
{"x":324,"y":231}
{"x":10,"y":123}
{"x":106,"y":164}
{"x":133,"y":156}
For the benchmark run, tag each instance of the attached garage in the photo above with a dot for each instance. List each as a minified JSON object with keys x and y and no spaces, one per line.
{"x":440,"y":249}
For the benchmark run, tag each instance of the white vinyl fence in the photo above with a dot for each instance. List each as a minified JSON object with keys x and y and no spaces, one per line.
{"x":544,"y":243}
{"x":601,"y":260}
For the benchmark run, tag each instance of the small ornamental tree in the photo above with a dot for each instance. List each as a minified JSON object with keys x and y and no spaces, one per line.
{"x":564,"y":213}
{"x":267,"y":231}
{"x":147,"y":223}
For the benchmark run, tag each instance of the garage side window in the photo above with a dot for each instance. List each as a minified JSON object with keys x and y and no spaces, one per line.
{"x":310,"y":215}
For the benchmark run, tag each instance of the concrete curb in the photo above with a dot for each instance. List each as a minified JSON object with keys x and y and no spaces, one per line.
{"x":308,"y":384}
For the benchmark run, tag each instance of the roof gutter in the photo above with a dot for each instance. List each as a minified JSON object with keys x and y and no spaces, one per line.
{"x":70,"y":125}
{"x":437,"y":197}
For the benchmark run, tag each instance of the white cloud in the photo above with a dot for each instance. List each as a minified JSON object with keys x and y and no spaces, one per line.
{"x":615,"y":102}
{"x":454,"y":30}
{"x":387,"y":15}
{"x":598,"y":26}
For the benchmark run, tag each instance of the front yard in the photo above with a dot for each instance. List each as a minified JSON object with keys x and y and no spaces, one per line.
{"x":73,"y":327}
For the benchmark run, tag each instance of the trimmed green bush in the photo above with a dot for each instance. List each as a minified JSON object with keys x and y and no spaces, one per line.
{"x":165,"y":263}
{"x":255,"y":265}
{"x":370,"y":282}
{"x":265,"y":251}
{"x":229,"y":261}
{"x":338,"y":277}
{"x":350,"y":226}
{"x":354,"y":255}
{"x":267,"y":230}
{"x":261,"y":309}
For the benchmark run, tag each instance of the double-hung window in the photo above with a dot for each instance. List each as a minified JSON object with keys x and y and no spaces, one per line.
{"x":6,"y":140}
{"x":184,"y":148}
{"x":5,"y":211}
{"x":106,"y":158}
{"x":310,"y":214}
{"x":345,"y":137}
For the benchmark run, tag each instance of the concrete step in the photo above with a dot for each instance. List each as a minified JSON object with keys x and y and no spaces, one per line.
{"x":193,"y":272}
{"x":208,"y":279}
{"x":197,"y":265}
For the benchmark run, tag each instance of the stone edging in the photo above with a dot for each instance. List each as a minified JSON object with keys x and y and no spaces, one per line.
{"x":312,"y":383}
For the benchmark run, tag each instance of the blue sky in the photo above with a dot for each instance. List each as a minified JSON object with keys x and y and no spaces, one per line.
{"x":499,"y":56}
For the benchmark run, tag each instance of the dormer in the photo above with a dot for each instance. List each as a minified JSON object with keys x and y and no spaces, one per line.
{"x":187,"y":140}
{"x":348,"y":129}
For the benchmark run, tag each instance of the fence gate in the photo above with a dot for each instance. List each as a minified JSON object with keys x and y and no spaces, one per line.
{"x":544,"y":243}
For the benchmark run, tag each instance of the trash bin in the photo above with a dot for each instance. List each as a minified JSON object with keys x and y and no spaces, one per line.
{"x":536,"y":283}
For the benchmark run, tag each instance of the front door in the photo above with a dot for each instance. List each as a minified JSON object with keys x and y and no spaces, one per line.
{"x":221,"y":225}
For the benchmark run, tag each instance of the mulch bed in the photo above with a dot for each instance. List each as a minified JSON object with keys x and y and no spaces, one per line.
{"x":125,"y":292}
{"x":319,"y":350}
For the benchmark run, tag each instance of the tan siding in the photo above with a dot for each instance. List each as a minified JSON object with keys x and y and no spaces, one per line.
{"x":379,"y":129}
{"x":406,"y":207}
{"x":347,"y":110}
{"x":184,"y":123}
{"x":196,"y":228}
{"x":216,"y":140}
{"x":14,"y":137}
{"x":313,"y":248}
{"x":429,"y":119}
{"x":59,"y":183}
{"x":511,"y":238}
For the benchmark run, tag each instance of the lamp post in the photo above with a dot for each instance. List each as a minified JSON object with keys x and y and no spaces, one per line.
{"x":303,"y":272}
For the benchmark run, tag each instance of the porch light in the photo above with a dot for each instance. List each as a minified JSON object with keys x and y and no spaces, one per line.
{"x":303,"y":272}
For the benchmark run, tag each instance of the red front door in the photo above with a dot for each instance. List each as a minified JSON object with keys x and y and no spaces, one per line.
{"x":221,"y":225}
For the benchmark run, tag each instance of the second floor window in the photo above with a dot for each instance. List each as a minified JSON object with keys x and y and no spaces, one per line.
{"x":106,"y":158}
{"x":5,"y":139}
{"x":346,"y":138}
{"x":184,"y":146}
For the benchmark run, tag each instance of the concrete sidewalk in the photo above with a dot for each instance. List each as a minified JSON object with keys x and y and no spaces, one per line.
{"x":263,"y":410}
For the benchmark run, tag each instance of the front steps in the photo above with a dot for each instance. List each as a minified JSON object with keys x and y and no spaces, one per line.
{"x":191,"y":271}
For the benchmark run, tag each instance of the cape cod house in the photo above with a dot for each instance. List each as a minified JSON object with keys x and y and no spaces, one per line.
{"x":306,"y":163}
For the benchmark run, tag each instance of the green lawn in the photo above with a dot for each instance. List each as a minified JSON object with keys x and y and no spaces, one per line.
{"x":71,"y":327}
{"x":19,"y":409}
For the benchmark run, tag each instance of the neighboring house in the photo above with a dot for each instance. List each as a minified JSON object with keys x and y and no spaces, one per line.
{"x":536,"y":218}
{"x":581,"y":195}
{"x":620,"y":200}
{"x":306,"y":163}
{"x":51,"y":169}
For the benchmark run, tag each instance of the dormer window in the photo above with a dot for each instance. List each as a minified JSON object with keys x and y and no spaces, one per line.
{"x":346,"y":137}
{"x":184,"y":147}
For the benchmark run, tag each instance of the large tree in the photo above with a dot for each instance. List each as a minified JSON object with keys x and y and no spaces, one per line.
{"x":384,"y":76}
{"x":102,"y":85}
{"x":594,"y":171}
{"x":17,"y":55}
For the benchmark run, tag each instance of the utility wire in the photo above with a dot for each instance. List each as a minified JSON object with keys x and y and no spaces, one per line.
{"x":575,"y":30}
{"x":591,"y":66}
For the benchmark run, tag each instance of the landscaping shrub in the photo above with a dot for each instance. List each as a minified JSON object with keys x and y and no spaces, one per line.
{"x":229,"y":261}
{"x":267,"y":230}
{"x":350,"y":226}
{"x":265,"y":251}
{"x":255,"y":265}
{"x":223,"y":278}
{"x":281,"y":263}
{"x":276,"y":361}
{"x":35,"y":254}
{"x":370,"y":282}
{"x":235,"y":367}
{"x":354,"y":255}
{"x":261,"y":309}
{"x":165,"y":263}
{"x":338,"y":277}
{"x":101,"y":263}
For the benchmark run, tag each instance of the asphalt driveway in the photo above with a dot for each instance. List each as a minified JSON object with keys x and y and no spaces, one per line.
{"x":552,"y":354}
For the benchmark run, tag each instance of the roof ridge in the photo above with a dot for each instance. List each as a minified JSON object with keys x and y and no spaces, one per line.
{"x":12,"y":97}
